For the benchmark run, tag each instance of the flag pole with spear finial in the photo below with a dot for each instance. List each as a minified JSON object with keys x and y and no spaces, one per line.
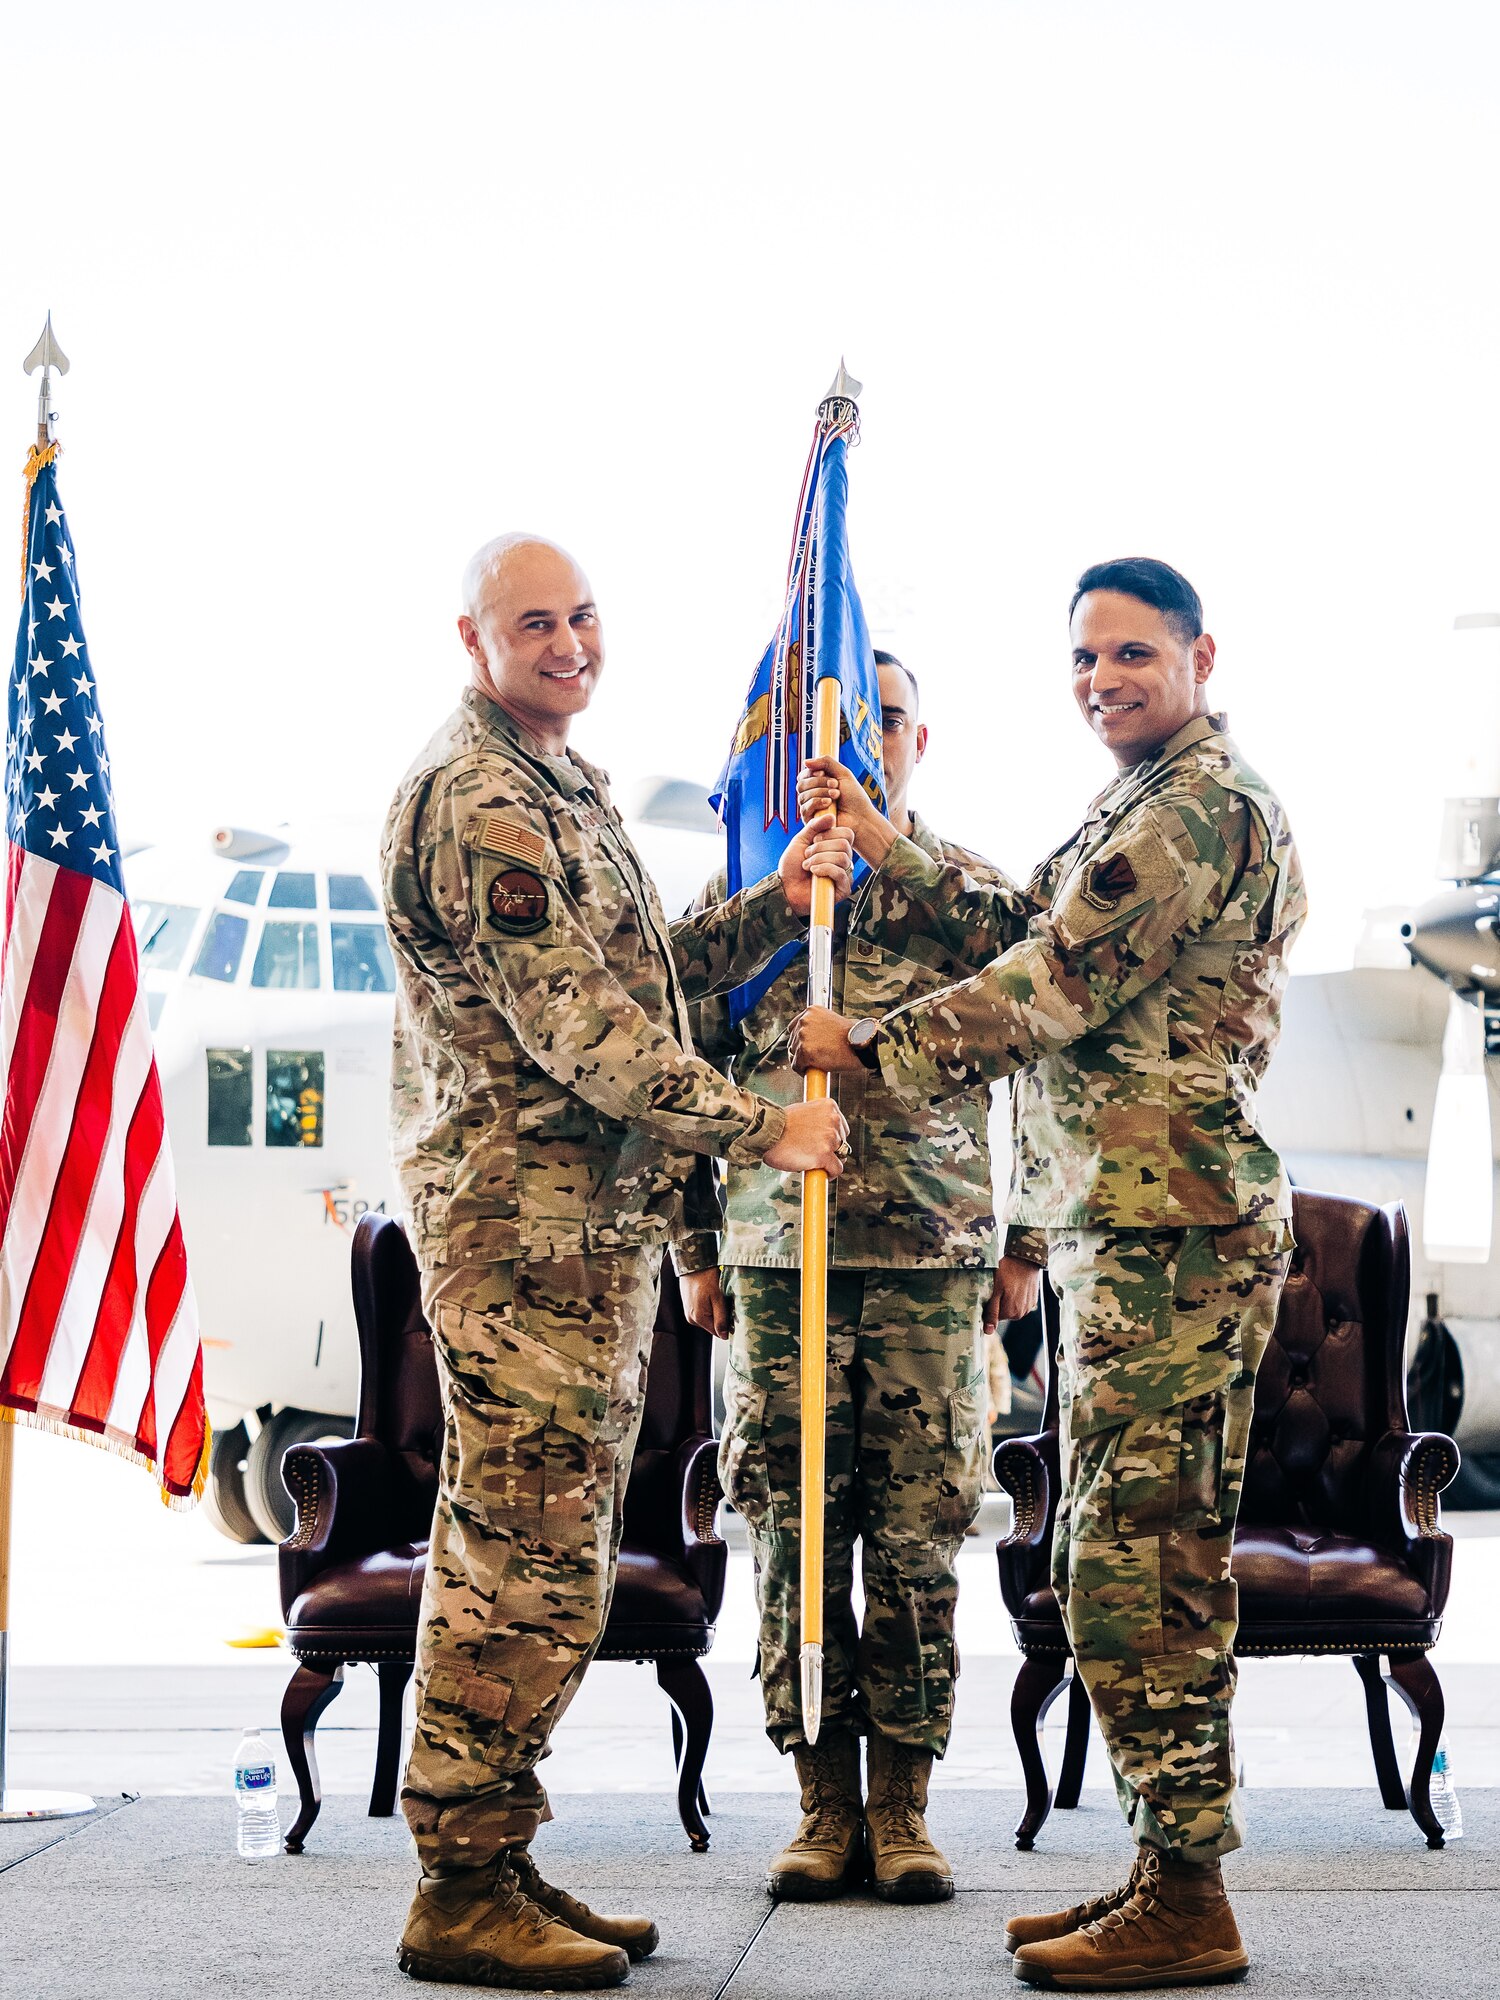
{"x":14,"y":1804}
{"x":838,"y":411}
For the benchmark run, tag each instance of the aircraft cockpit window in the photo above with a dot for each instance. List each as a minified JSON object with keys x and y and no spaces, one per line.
{"x":230,"y":1096}
{"x":294,"y":1097}
{"x":222,"y":948}
{"x":288,"y":955}
{"x":245,"y":888}
{"x":293,"y":890}
{"x":163,"y":930}
{"x":350,"y":892}
{"x":361,"y":959}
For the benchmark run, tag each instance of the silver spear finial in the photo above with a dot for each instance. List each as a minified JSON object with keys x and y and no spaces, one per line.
{"x":844,"y":388}
{"x":46,"y":355}
{"x":839,"y":409}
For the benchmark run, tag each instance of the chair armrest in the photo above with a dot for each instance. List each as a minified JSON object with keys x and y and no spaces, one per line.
{"x":704,"y":1551}
{"x":1407,"y":1471}
{"x":345,"y":1508}
{"x":1022,"y":1468}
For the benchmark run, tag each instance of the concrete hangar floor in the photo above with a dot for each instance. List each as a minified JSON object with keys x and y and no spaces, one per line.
{"x":124,"y":1687}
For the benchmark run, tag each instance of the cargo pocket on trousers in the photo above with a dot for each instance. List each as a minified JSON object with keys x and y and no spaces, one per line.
{"x":743,"y":1472}
{"x":572,"y":1465}
{"x":1164,"y":1468}
{"x":963,"y":1465}
{"x":512,"y":1478}
{"x":538,"y":1477}
{"x":463,"y":1711}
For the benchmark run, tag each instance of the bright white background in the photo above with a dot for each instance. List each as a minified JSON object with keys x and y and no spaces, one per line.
{"x":349,"y":288}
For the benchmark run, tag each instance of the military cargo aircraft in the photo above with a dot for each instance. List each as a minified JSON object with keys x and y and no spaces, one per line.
{"x":270,"y":981}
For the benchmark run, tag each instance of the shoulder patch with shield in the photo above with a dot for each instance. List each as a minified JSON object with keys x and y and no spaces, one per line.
{"x":1138,"y":868}
{"x":1106,"y":882}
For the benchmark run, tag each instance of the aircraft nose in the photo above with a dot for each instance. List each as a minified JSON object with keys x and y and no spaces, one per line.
{"x":1457,"y":937}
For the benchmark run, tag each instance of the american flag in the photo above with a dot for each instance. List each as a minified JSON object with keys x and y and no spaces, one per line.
{"x":98,"y":1328}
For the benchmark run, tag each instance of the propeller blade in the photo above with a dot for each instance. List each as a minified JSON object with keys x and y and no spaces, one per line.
{"x":1459,"y":1201}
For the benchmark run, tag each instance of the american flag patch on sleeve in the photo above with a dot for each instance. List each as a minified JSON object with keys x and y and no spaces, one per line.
{"x":507,"y":833}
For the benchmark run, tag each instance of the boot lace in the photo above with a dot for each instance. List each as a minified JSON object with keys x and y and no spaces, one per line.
{"x":537,"y":1889}
{"x":825,"y":1815}
{"x":902,"y":1813}
{"x":512,"y":1900}
{"x":1142,"y":1901}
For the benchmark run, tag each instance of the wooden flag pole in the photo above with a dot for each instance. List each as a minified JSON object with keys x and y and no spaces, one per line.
{"x":15,"y":1805}
{"x":7,"y":1463}
{"x":815,"y":1275}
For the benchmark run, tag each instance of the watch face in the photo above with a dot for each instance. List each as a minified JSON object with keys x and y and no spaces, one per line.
{"x":863,"y":1033}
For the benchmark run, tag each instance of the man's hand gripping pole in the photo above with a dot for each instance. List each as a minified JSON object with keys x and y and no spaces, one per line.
{"x":815,"y":1277}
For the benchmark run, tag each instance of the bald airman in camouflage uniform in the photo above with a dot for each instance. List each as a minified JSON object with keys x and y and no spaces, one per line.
{"x":548,"y":1110}
{"x":913,"y":1255}
{"x":1137,"y":1014}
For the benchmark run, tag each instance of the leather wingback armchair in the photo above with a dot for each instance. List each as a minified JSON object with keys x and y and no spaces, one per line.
{"x":1338,"y":1547}
{"x":351,"y":1573}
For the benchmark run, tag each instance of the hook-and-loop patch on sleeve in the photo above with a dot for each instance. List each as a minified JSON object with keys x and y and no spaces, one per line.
{"x":513,"y":892}
{"x":1138,"y":869}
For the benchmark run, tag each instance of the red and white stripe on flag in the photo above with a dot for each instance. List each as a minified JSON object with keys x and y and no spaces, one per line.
{"x":98,"y":1327}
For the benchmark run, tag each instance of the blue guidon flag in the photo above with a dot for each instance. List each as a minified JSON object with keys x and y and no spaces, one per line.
{"x":822,"y":633}
{"x":98,"y":1327}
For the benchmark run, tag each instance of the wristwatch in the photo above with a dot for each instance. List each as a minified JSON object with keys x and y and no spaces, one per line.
{"x":861,"y":1039}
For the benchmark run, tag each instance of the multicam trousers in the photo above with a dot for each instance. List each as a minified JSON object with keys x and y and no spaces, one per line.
{"x":906,"y":1393}
{"x":543,"y":1369}
{"x":1162,"y":1332}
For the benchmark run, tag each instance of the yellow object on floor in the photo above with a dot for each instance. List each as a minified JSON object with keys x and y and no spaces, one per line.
{"x":259,"y":1635}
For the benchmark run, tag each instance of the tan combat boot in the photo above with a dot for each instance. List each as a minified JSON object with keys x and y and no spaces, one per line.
{"x":1175,"y":1929}
{"x":826,"y":1855}
{"x":477,"y":1929}
{"x":905,"y":1867}
{"x":637,"y":1935}
{"x":1037,"y":1930}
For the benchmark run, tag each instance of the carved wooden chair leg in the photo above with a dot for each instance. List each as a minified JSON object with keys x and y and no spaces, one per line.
{"x":685,"y":1685}
{"x":1036,"y":1688}
{"x":1419,"y":1687}
{"x":308,"y":1693}
{"x":703,"y":1805}
{"x":1378,"y":1711}
{"x":1076,"y":1748}
{"x":393,"y":1676}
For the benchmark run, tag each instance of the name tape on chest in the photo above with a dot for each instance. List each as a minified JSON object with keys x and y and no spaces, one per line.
{"x":506,"y":833}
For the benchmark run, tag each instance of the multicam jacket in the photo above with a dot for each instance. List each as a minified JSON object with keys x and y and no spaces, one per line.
{"x":916,"y":1191}
{"x":1141,"y":1007}
{"x":545,"y":1099}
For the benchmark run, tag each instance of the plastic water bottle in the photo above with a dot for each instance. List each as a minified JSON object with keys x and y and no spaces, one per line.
{"x":1446,"y":1809}
{"x":255,"y":1794}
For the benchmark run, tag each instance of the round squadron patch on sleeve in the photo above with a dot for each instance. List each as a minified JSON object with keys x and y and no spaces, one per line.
{"x":518,"y":902}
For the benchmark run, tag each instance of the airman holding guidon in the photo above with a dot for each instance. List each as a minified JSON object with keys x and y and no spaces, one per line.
{"x":1137,"y":1014}
{"x":548,"y":1111}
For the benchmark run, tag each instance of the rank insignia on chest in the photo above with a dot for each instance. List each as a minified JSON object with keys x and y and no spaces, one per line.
{"x":1107,"y":881}
{"x":518,"y":902}
{"x":506,"y":833}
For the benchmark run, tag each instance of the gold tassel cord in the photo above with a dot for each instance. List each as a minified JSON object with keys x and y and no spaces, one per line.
{"x":38,"y":459}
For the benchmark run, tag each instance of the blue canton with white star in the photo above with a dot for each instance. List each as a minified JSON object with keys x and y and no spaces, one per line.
{"x":58,"y":801}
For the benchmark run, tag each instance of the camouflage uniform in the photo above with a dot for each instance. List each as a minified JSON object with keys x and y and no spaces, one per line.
{"x":1140,"y":1011}
{"x":912,"y":1255}
{"x":546,"y":1118}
